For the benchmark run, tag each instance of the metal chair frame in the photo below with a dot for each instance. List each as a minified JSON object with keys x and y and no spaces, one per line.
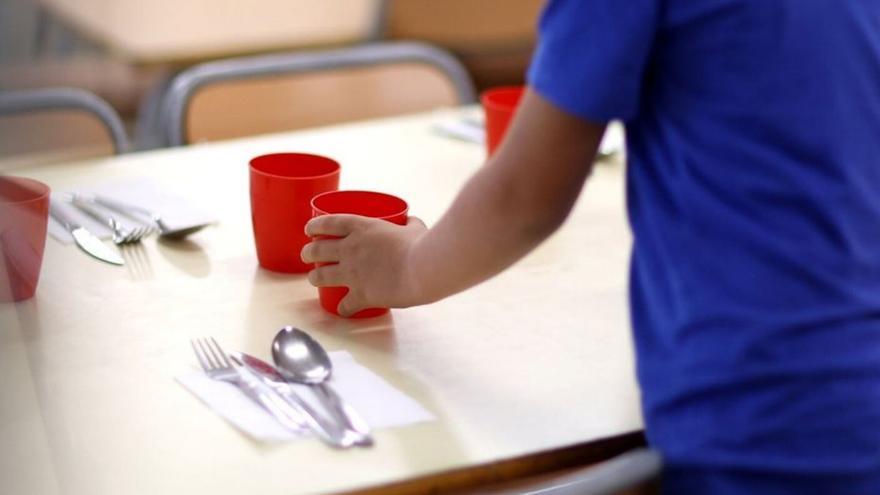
{"x":24,"y":101}
{"x":182,"y":88}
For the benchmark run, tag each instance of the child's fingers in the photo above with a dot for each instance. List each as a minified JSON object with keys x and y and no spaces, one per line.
{"x":323,"y":251}
{"x":415,"y":221}
{"x":336,"y":225}
{"x":327,"y":276}
{"x":349,"y":305}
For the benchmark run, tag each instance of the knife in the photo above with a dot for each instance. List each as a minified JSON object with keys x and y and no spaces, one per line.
{"x":333,"y":434}
{"x":87,"y":241}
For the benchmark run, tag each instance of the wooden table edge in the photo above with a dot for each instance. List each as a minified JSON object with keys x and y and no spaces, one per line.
{"x":511,"y":469}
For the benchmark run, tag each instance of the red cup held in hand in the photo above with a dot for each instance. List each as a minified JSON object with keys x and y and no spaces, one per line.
{"x":24,"y":218}
{"x":282,"y":187}
{"x":366,"y":203}
{"x":499,"y":105}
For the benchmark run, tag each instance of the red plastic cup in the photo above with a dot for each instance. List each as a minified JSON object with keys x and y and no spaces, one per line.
{"x":24,"y":218}
{"x":499,"y":105}
{"x":365,"y":203}
{"x":282,"y":188}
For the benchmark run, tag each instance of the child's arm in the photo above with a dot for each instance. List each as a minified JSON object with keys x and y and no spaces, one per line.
{"x":516,"y":200}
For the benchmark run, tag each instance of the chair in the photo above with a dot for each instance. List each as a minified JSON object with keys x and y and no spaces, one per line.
{"x":254,"y":95}
{"x":494,"y":39}
{"x":120,"y":83}
{"x":62,"y":123}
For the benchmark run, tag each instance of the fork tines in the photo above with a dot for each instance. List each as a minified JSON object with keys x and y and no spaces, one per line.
{"x":210,"y":354}
{"x":123,"y":236}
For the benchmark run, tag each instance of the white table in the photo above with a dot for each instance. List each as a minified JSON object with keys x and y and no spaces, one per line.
{"x":535,"y":361}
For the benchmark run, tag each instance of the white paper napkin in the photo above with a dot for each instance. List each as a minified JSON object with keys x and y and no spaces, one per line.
{"x":380,"y":404}
{"x":176,"y":212}
{"x":470,"y":129}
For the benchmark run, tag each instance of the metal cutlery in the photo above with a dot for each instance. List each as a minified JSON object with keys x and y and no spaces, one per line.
{"x":273,"y":377}
{"x":462,"y":129}
{"x":87,"y":241}
{"x":121,"y":235}
{"x":218,"y":366}
{"x":302,"y":359}
{"x":472,"y":129}
{"x":289,"y":412}
{"x":138,"y":211}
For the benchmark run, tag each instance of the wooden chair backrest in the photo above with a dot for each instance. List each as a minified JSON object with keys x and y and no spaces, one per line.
{"x":276,"y":103}
{"x":52,"y":135}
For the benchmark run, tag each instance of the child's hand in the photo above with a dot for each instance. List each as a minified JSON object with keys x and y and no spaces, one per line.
{"x":371,"y":259}
{"x":522,"y":195}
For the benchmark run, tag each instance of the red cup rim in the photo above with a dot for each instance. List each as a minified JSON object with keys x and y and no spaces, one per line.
{"x":402,"y":211}
{"x":328,"y":160}
{"x":490,"y":97}
{"x":40,"y":190}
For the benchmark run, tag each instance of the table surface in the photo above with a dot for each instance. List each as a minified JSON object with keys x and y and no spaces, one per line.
{"x":173,"y":31}
{"x":537,"y":359}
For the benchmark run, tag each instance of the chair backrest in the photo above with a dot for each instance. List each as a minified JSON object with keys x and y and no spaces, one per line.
{"x":271,"y":93}
{"x":59,"y":122}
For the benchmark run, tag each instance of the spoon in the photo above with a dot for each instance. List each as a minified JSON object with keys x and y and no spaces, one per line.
{"x":330,"y":433}
{"x":301,"y":359}
{"x":164,"y":230}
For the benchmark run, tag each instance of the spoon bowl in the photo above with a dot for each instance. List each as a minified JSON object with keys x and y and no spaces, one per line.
{"x":300,"y":358}
{"x":178,"y":233}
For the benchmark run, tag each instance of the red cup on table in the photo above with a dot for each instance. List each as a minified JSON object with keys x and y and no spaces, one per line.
{"x":499,"y":106}
{"x":24,"y":218}
{"x":282,"y":186}
{"x":365,"y":203}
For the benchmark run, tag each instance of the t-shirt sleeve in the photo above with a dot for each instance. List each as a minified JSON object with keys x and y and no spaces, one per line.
{"x":592,"y":54}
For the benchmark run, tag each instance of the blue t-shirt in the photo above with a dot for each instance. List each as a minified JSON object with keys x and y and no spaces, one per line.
{"x":753,"y":132}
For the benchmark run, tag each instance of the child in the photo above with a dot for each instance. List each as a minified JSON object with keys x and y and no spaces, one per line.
{"x":753,"y":129}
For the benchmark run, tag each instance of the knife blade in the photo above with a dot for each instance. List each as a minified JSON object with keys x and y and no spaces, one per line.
{"x":86,"y":241}
{"x":357,"y":430}
{"x":336,"y":435}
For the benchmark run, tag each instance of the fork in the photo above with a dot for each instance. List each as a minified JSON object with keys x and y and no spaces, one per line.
{"x":130,"y":236}
{"x":121,"y":235}
{"x":293,"y":415}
